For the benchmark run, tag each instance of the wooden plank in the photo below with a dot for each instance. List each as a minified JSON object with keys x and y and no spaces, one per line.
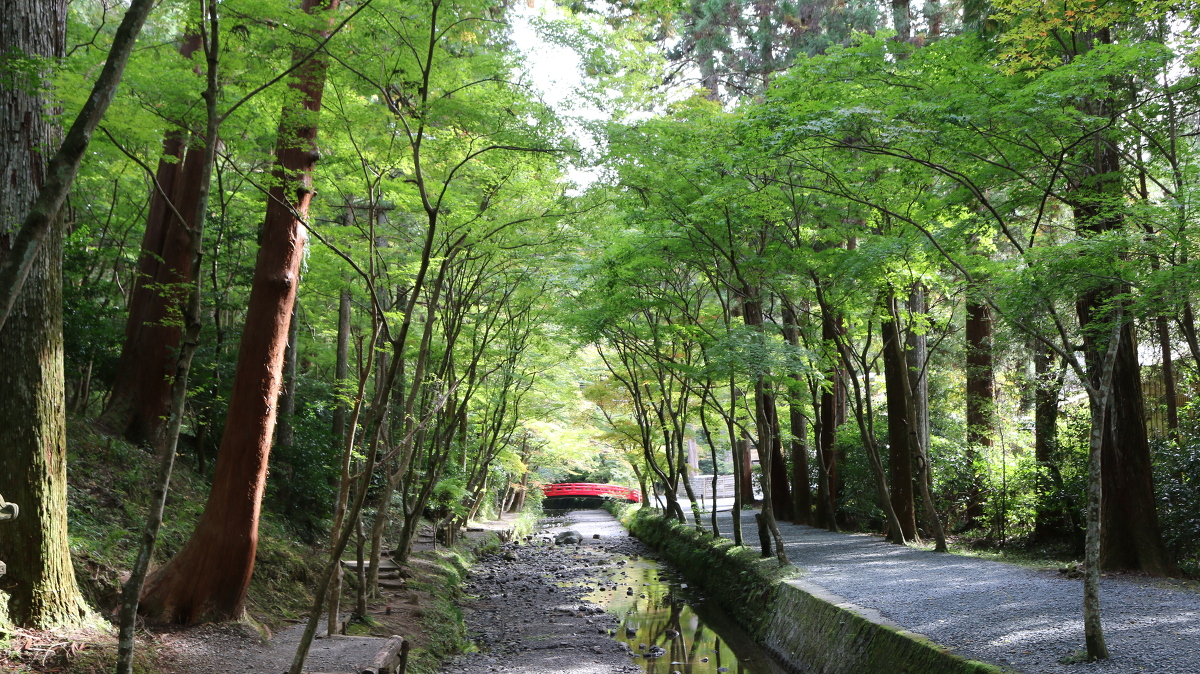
{"x":388,"y":657}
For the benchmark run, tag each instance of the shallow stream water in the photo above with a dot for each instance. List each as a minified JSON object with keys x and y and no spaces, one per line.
{"x":664,"y":613}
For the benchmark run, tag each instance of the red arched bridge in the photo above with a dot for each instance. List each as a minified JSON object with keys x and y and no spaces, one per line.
{"x":591,"y":490}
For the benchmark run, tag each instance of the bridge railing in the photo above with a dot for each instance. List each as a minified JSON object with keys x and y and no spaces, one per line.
{"x":578,"y":489}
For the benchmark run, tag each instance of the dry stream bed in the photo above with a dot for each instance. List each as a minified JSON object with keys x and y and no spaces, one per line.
{"x":603,"y":605}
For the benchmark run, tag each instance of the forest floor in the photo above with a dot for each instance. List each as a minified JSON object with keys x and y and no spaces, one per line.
{"x":423,"y":613}
{"x":1027,"y":619}
{"x":108,"y":486}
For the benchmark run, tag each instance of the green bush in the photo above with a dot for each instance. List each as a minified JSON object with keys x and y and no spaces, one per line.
{"x":1177,"y":485}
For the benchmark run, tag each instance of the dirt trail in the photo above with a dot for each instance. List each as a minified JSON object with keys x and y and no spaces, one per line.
{"x":234,"y":648}
{"x":529,"y":616}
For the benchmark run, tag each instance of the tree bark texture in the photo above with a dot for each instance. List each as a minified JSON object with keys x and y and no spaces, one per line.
{"x":916,"y":449}
{"x":900,"y":460}
{"x":208,"y":578}
{"x":190,"y":318}
{"x":39,"y":590}
{"x":286,"y":432}
{"x":139,"y":404}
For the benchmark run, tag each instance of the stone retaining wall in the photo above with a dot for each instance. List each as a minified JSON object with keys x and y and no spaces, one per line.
{"x":803,"y":625}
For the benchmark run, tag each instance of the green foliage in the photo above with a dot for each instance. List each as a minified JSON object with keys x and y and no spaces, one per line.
{"x":1178,"y":489}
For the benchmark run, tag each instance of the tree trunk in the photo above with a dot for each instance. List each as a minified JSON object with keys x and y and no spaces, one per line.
{"x":747,"y":473}
{"x":801,"y":490}
{"x":286,"y":433}
{"x":1130,"y":536}
{"x":900,"y":468}
{"x":1168,"y":374}
{"x":360,"y":548}
{"x":342,"y":369}
{"x":764,"y":408}
{"x":39,"y":590}
{"x":833,"y":415}
{"x":781,"y":492}
{"x":901,"y":20}
{"x":190,"y":315}
{"x":980,"y":402}
{"x":736,"y":450}
{"x":138,"y":406}
{"x":208,"y":578}
{"x":917,"y":355}
{"x":1187,"y":325}
{"x":924,"y":481}
{"x":519,"y":503}
{"x":1049,"y":521}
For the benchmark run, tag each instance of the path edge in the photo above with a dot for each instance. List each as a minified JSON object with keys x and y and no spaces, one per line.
{"x":805,"y":626}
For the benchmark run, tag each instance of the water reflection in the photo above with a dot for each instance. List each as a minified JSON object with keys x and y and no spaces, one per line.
{"x":671,"y":627}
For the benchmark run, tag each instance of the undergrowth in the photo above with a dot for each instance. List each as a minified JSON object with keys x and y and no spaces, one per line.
{"x":109,"y":487}
{"x":442,"y":619}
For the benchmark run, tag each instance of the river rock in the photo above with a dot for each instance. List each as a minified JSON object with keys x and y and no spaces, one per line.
{"x":568,"y":538}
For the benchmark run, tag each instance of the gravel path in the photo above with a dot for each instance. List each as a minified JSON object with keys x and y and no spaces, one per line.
{"x":1021,"y":618}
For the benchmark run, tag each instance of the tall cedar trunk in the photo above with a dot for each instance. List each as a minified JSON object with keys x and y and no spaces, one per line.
{"x":190,"y":314}
{"x":980,"y":402}
{"x":900,"y":460}
{"x":801,"y":490}
{"x":39,"y":588}
{"x":781,"y":493}
{"x":208,"y":578}
{"x":138,"y":407}
{"x":1130,"y":536}
{"x":1050,"y":519}
{"x":1168,"y":375}
{"x":833,"y":415}
{"x":342,"y":368}
{"x":901,"y":20}
{"x":916,"y":450}
{"x":933,"y":17}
